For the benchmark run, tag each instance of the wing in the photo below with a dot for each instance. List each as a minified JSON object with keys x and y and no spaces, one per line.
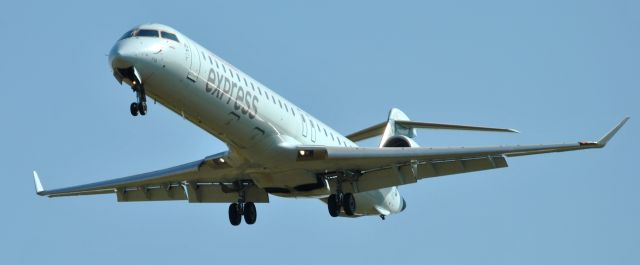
{"x":374,"y":168}
{"x":211,"y":179}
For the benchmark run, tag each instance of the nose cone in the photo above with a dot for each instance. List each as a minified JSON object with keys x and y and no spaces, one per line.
{"x":122,"y":56}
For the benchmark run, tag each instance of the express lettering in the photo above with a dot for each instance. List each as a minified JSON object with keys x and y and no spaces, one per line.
{"x":221,"y":86}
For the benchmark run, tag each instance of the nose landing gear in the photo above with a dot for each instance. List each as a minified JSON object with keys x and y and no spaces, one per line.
{"x":140,"y":106}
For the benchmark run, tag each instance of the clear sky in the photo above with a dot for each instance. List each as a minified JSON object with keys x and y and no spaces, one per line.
{"x":555,"y":70}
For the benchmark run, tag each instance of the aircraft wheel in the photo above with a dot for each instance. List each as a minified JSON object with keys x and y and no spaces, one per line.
{"x":250,"y":213}
{"x":235,"y":216}
{"x":134,"y":109}
{"x":142,"y":108}
{"x":349,"y":204}
{"x":333,"y":205}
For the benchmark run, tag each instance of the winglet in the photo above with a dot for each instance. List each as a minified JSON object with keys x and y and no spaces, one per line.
{"x":36,"y":181}
{"x":603,"y":141}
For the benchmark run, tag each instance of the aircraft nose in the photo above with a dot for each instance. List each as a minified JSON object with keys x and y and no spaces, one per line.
{"x":122,"y":56}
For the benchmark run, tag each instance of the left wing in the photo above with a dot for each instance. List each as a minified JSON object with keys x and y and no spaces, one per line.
{"x":211,"y":179}
{"x":375,"y":168}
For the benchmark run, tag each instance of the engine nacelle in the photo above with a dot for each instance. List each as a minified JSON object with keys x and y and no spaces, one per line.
{"x":379,"y":202}
{"x":400,"y":141}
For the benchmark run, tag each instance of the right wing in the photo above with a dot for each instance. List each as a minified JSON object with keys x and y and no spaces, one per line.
{"x":375,"y":168}
{"x":211,"y":179}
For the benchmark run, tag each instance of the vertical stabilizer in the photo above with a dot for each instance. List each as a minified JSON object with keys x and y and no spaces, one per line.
{"x":392,"y":129}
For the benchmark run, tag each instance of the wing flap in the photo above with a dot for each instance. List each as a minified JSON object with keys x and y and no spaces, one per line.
{"x":408,"y":173}
{"x":192,"y":192}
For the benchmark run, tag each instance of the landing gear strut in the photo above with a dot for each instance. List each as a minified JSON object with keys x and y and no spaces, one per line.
{"x":140,"y":106}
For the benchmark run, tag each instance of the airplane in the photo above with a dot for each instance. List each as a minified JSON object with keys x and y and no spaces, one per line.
{"x":275,"y":147}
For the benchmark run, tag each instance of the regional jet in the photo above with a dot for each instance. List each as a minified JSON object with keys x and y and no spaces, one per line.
{"x":274,"y":146}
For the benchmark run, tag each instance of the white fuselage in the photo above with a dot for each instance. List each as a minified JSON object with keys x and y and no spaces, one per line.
{"x":253,"y":120}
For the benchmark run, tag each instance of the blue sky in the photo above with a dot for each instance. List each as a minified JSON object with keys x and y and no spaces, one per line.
{"x":556,"y":70}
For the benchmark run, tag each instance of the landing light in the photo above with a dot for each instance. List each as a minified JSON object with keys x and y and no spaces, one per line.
{"x":305,"y":154}
{"x":221,"y":160}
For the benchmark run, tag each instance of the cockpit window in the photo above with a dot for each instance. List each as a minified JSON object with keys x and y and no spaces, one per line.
{"x":171,"y":36}
{"x":129,"y":34}
{"x":147,"y":33}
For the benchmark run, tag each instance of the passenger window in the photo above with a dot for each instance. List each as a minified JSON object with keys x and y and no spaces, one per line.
{"x":210,"y":61}
{"x":332,"y":136}
{"x":245,"y":84}
{"x":254,"y":89}
{"x":171,"y":36}
{"x":285,"y":107}
{"x":325,"y":132}
{"x":293,"y":112}
{"x":147,"y":33}
{"x":280,"y":103}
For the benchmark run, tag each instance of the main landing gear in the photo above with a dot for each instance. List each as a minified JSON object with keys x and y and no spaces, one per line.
{"x":341,"y":201}
{"x":241,"y":208}
{"x":246,"y":209}
{"x":140,"y":106}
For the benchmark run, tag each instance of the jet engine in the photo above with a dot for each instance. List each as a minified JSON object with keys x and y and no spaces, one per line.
{"x":400,"y":141}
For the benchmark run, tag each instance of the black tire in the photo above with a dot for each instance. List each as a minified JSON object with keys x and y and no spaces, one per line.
{"x":134,"y":109}
{"x":333,"y":205}
{"x":349,"y":204}
{"x":142,"y":108}
{"x":235,"y":217}
{"x":250,"y":213}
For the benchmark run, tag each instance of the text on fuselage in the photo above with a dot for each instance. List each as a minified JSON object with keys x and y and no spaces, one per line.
{"x":221,"y":86}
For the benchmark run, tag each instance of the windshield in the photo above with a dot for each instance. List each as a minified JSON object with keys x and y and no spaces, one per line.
{"x":129,"y":34}
{"x":141,"y":33}
{"x":147,"y":33}
{"x":171,"y":36}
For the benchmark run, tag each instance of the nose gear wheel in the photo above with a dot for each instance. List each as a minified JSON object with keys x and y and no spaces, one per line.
{"x":140,"y":106}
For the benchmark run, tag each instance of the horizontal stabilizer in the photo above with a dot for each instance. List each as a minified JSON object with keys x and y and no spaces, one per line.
{"x":378,"y":129}
{"x":429,"y":125}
